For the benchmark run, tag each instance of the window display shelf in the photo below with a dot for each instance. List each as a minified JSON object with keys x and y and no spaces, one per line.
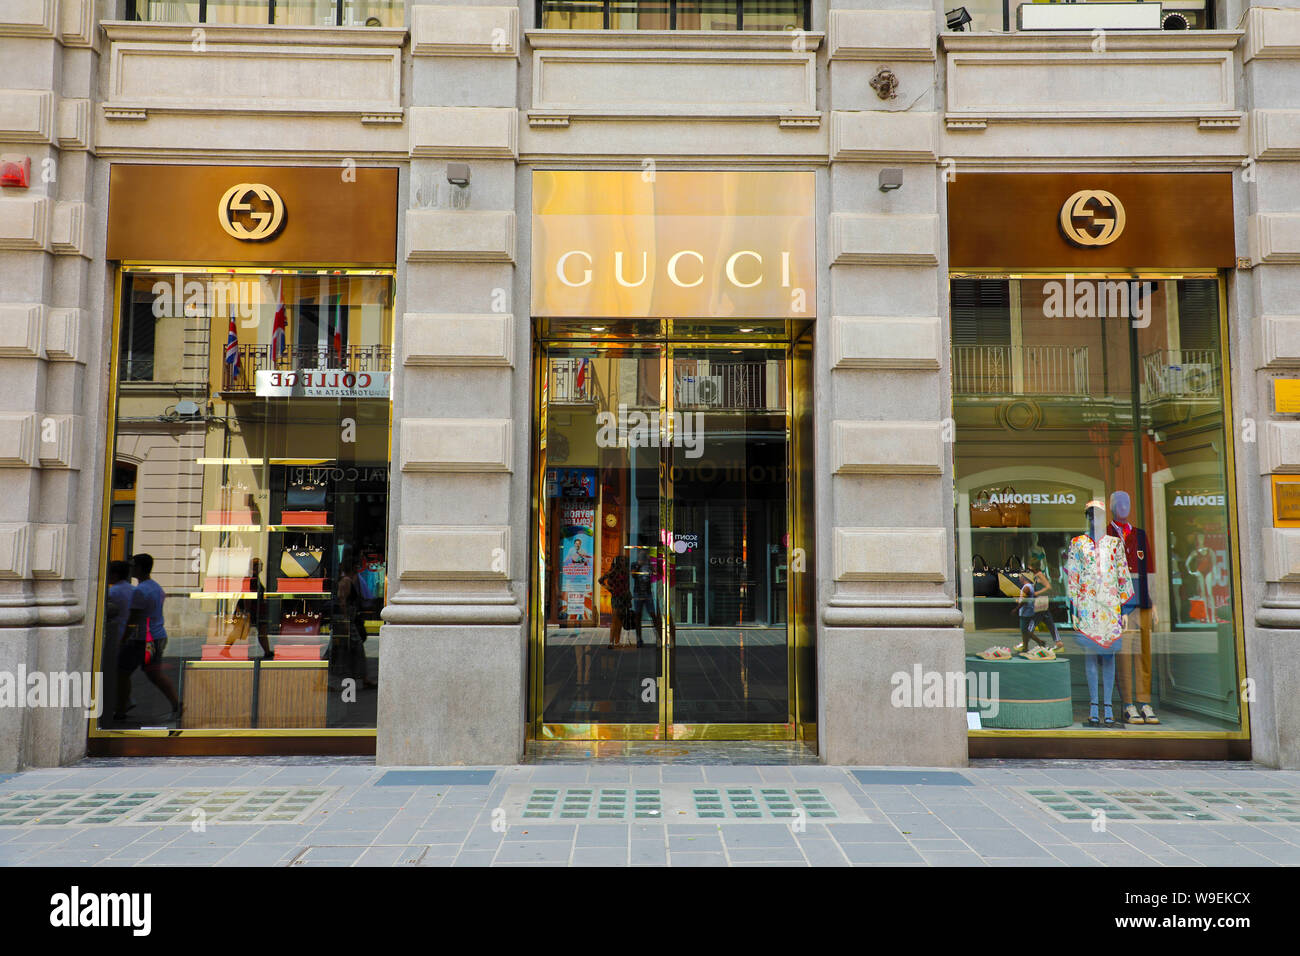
{"x":223,"y":595}
{"x":298,"y":594}
{"x":302,"y":461}
{"x":230,"y":461}
{"x":229,"y":527}
{"x":300,"y":527}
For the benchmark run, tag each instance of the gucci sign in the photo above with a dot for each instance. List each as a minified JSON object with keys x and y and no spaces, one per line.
{"x":1104,"y":215}
{"x":235,"y":208}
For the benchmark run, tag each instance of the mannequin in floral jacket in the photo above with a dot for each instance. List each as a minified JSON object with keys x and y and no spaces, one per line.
{"x":1098,"y":583}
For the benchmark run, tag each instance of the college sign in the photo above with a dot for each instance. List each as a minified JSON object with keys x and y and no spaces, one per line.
{"x":321,"y":383}
{"x":673,"y":244}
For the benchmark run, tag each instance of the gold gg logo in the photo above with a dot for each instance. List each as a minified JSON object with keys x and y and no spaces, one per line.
{"x":1107,"y":212}
{"x":235,"y":206}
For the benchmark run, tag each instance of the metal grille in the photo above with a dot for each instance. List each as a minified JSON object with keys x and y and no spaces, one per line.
{"x":1021,"y":370}
{"x":1238,"y":806}
{"x":161,"y":807}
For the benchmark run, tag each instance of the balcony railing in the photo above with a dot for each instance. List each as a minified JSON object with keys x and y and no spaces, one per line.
{"x":740,"y":386}
{"x":257,"y":358}
{"x":1182,"y":373}
{"x":572,"y":382}
{"x":773,"y":15}
{"x":1021,"y":370}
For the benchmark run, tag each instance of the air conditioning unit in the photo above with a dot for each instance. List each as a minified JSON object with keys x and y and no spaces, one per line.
{"x":1192,"y":379}
{"x":699,"y":390}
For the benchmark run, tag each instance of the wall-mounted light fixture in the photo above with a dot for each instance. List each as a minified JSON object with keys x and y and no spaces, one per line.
{"x":458,"y":174}
{"x":957,"y":19}
{"x":891,"y":177}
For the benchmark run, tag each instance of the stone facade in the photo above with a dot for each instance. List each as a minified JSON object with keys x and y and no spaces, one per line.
{"x":475,"y":82}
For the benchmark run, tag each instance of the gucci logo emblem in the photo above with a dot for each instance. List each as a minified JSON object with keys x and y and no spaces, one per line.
{"x":235,"y":206}
{"x":1106,"y":212}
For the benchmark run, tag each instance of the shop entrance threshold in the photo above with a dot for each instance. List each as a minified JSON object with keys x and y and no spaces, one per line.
{"x":771,"y":753}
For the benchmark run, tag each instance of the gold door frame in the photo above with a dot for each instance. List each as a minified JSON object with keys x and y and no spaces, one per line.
{"x":799,"y":633}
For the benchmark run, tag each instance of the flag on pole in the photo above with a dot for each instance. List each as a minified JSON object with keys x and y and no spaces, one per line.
{"x":279,"y":326}
{"x":232,"y":350}
{"x":581,"y":379}
{"x":336,"y":314}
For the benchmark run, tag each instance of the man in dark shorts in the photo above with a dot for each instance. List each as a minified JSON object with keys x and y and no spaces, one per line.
{"x":145,"y":626}
{"x":117,"y":610}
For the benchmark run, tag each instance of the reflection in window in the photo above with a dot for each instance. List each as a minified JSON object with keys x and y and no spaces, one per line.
{"x":348,"y":13}
{"x":250,"y":450}
{"x":1069,"y":390}
{"x":776,"y":15}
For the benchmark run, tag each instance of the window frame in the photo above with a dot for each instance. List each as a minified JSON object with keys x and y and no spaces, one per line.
{"x":133,"y":12}
{"x":737,"y":5}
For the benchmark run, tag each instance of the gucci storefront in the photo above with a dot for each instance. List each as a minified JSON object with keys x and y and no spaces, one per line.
{"x":1096,"y":540}
{"x":246,"y":515}
{"x":672,"y":320}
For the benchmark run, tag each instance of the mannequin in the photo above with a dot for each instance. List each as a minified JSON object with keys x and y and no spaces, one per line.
{"x":1098,"y":583}
{"x":1200,"y":565}
{"x":1134,"y":661}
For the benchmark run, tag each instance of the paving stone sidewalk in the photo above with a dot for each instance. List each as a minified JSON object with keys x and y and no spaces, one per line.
{"x":348,"y":812}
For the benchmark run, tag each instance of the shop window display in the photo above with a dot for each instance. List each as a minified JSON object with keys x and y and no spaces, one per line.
{"x":250,"y":488}
{"x":1094,"y":535}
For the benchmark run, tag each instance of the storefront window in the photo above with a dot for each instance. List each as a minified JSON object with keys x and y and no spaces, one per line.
{"x":249,"y":500}
{"x":1094,"y":535}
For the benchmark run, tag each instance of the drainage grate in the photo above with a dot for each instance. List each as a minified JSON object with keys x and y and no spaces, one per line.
{"x":779,"y":802}
{"x":1238,"y":806}
{"x":593,"y":803}
{"x":161,"y":807}
{"x":681,"y":802}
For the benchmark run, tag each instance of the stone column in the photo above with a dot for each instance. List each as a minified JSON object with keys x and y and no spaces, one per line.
{"x":1266,"y":301}
{"x":884,"y":491}
{"x":50,"y":277}
{"x":453,"y":650}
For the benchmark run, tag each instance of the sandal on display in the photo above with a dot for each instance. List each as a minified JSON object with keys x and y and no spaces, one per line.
{"x":995,"y":654}
{"x":1092,"y":722}
{"x":1039,"y":654}
{"x":1110,"y":723}
{"x":1060,"y":647}
{"x":1131,"y":715}
{"x":1148,"y":714}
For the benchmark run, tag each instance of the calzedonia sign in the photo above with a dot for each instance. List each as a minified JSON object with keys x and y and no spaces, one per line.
{"x":321,"y":383}
{"x":610,"y":244}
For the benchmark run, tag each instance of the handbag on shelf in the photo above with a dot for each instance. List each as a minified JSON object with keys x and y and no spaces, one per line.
{"x":984,"y":513}
{"x":301,"y":560}
{"x":1011,"y":578}
{"x":304,"y":496}
{"x":985,"y":579}
{"x":228,"y":629}
{"x":1014,"y":514}
{"x":300,"y":622}
{"x":229,"y":562}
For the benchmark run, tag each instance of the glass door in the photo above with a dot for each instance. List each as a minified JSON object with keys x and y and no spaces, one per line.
{"x":661,"y":602}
